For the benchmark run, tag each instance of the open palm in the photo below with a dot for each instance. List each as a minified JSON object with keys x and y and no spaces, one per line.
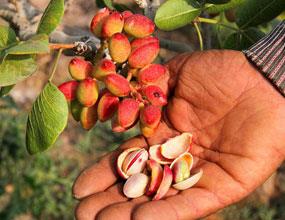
{"x":237,"y":119}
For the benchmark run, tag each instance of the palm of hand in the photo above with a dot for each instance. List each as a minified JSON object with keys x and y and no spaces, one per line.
{"x":237,"y":121}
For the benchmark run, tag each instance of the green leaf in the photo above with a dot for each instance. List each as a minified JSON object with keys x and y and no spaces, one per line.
{"x":7,"y":36}
{"x":217,"y":1}
{"x":51,"y":17}
{"x":174,"y":14}
{"x":241,"y":41}
{"x":212,"y":9}
{"x":255,"y":12}
{"x":5,"y":90}
{"x":16,"y":68}
{"x":122,"y":7}
{"x":38,"y":44}
{"x":47,"y":119}
{"x":105,"y":3}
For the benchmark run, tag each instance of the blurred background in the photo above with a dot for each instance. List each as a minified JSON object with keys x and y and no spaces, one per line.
{"x":39,"y":187}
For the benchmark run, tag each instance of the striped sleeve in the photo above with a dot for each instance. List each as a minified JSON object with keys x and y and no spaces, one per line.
{"x":268,"y":54}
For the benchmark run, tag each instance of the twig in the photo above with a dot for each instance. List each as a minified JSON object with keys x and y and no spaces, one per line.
{"x":61,"y":46}
{"x":86,"y":46}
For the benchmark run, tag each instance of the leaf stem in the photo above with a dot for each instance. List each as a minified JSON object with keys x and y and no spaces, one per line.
{"x":199,"y":35}
{"x":213,"y":21}
{"x":207,"y":20}
{"x":61,"y":46}
{"x":55,"y":64}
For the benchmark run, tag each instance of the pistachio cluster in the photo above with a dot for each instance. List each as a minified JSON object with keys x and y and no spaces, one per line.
{"x":131,"y":89}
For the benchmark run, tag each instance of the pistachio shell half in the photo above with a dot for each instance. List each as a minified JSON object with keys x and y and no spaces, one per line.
{"x":176,"y":146}
{"x":136,"y":185}
{"x":131,"y":161}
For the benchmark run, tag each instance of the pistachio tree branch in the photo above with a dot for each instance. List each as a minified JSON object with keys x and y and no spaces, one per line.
{"x":150,"y":6}
{"x":22,"y":15}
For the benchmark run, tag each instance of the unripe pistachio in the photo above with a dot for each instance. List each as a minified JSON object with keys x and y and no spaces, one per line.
{"x":87,"y":92}
{"x":144,"y":55}
{"x":150,"y":116}
{"x":128,"y":112}
{"x":143,"y":41}
{"x":114,"y":23}
{"x":117,"y":85}
{"x":75,"y":109}
{"x":126,"y":14}
{"x":139,"y":26}
{"x":119,"y":47}
{"x":69,"y":89}
{"x":103,"y":68}
{"x":154,"y":95}
{"x":88,"y":117}
{"x":107,"y":106}
{"x":147,"y":131}
{"x":80,"y":69}
{"x":97,"y":21}
{"x":151,"y":74}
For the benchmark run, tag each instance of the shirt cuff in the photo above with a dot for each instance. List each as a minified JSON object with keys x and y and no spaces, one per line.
{"x":268,"y":54}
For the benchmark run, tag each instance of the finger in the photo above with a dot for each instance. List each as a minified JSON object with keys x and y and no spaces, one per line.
{"x":102,"y":175}
{"x":216,"y":189}
{"x":121,"y":211}
{"x":88,"y":208}
{"x":124,"y":210}
{"x":190,"y":205}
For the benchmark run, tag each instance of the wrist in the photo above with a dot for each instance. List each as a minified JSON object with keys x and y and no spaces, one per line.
{"x":268,"y":55}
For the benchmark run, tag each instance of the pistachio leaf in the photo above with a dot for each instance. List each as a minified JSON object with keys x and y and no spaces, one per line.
{"x":51,"y":17}
{"x":212,"y":8}
{"x":16,"y":68}
{"x":241,"y":41}
{"x":217,"y":1}
{"x":38,"y":44}
{"x":174,"y":14}
{"x":255,"y":12}
{"x":5,"y":90}
{"x":47,"y":119}
{"x":7,"y":36}
{"x":105,"y":3}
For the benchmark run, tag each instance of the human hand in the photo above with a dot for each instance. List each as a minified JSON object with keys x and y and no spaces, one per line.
{"x":237,"y":119}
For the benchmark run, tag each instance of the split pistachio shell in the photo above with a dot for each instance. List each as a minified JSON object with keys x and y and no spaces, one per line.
{"x":135,"y":162}
{"x":155,"y":154}
{"x":166,"y":164}
{"x":131,"y":161}
{"x":186,"y":184}
{"x":136,"y":185}
{"x":165,"y":183}
{"x":156,"y":176}
{"x":176,"y":146}
{"x":181,"y":167}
